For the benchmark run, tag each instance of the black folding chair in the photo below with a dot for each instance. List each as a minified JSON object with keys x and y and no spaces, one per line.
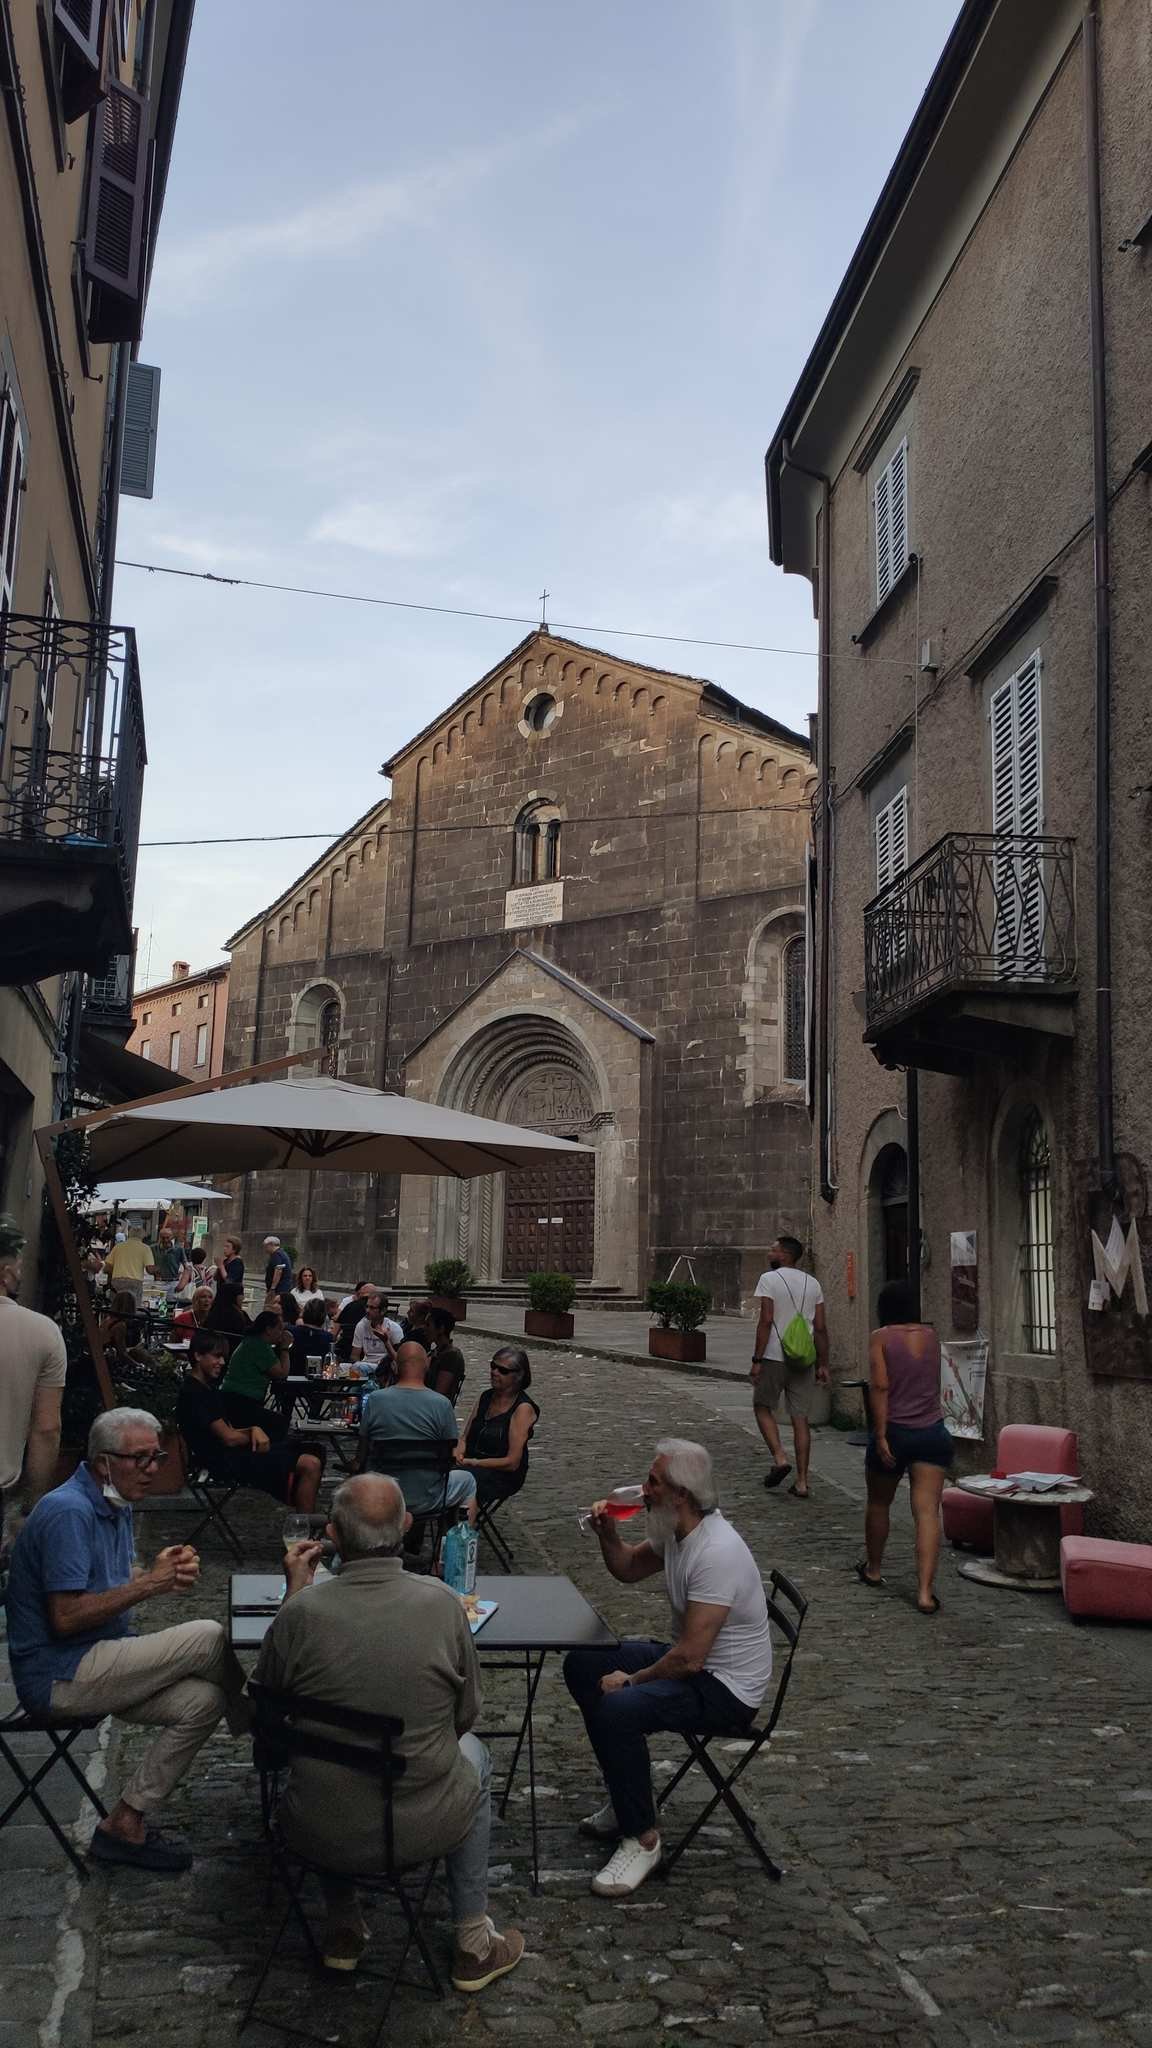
{"x":288,"y":1725}
{"x":61,"y":1735}
{"x":789,"y":1626}
{"x":436,"y":1457}
{"x":495,"y":1538}
{"x":214,"y":1497}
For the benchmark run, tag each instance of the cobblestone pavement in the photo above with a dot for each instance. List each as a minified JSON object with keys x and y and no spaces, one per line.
{"x":962,"y":1806}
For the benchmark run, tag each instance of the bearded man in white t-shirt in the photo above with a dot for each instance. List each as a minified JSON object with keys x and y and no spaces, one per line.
{"x":784,"y":1292}
{"x":709,"y":1681}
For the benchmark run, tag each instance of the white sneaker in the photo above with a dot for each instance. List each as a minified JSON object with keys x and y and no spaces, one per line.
{"x":627,"y":1869}
{"x":602,"y":1825}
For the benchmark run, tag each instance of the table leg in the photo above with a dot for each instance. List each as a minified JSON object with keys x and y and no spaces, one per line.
{"x":526,"y":1729}
{"x":1027,"y":1549}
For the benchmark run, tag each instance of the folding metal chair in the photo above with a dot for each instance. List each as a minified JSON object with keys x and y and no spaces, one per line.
{"x":61,"y":1735}
{"x":214,"y":1496}
{"x":789,"y":1626}
{"x":288,"y":1725}
{"x":495,"y":1538}
{"x":396,"y":1455}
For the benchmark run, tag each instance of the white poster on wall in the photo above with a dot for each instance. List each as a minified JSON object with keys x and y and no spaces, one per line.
{"x":963,"y":1371}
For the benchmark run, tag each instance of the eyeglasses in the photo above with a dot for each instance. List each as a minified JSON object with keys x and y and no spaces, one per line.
{"x":143,"y":1460}
{"x":508,"y":1369}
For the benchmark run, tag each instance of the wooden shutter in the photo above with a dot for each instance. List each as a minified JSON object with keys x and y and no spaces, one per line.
{"x":892,"y":840}
{"x":1018,"y":809}
{"x":141,"y":411}
{"x":890,"y":514}
{"x":80,"y":42}
{"x":117,"y":195}
{"x":11,"y":482}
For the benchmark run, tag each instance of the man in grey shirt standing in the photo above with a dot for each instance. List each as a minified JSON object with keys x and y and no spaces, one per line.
{"x":33,"y":1366}
{"x":411,"y":1412}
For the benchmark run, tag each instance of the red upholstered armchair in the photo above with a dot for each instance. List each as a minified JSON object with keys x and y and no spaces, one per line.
{"x":1022,"y":1447}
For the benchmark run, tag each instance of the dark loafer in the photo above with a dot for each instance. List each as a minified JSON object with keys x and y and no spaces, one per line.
{"x":153,"y":1853}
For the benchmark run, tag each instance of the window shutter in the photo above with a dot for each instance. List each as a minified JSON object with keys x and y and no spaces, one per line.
{"x":114,"y":238}
{"x":11,"y":481}
{"x":890,"y":509}
{"x":1017,"y":782}
{"x":141,"y":412}
{"x":892,"y":839}
{"x":80,"y":30}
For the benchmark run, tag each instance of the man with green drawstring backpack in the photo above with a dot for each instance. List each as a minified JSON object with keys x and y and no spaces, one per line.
{"x":789,"y":1357}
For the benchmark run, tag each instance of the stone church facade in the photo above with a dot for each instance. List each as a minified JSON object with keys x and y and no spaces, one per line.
{"x":581,"y":909}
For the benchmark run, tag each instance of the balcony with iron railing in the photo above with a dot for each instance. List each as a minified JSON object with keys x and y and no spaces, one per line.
{"x":72,"y":760}
{"x":971,"y":949}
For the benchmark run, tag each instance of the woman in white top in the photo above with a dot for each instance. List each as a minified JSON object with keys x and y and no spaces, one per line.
{"x":305,"y":1289}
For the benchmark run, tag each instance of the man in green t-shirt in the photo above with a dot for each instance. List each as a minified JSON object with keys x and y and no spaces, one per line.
{"x":261,"y":1356}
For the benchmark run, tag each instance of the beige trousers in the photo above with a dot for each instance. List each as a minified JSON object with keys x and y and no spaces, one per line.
{"x":183,"y":1680}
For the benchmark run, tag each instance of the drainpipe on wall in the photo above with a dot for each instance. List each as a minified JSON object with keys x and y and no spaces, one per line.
{"x":1105,"y":1087}
{"x":824,"y":857}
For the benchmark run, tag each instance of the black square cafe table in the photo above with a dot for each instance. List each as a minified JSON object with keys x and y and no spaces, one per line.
{"x":536,"y":1615}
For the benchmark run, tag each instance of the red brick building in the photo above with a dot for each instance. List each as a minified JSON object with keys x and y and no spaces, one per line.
{"x":180,"y":1023}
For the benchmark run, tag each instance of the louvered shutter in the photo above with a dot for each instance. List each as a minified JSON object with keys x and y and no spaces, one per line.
{"x":80,"y":29}
{"x":141,"y":411}
{"x":1018,"y":810}
{"x":892,"y":839}
{"x":117,"y":194}
{"x":890,"y":513}
{"x":11,"y":481}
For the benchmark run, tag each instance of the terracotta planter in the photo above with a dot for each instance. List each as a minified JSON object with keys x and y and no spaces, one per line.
{"x":454,"y":1303}
{"x":540,"y":1322}
{"x":169,"y":1477}
{"x":687,"y":1347}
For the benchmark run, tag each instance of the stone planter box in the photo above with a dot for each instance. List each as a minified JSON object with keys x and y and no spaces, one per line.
{"x":455,"y":1304}
{"x":540,"y":1322}
{"x":686,"y":1347}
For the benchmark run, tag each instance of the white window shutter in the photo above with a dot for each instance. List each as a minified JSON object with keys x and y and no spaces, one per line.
{"x":883,"y":512}
{"x":892,"y":839}
{"x":141,"y":413}
{"x":1001,"y":716}
{"x":890,"y":512}
{"x":1029,"y":785}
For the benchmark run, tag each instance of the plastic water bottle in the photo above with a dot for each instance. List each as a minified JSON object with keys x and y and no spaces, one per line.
{"x":458,"y":1558}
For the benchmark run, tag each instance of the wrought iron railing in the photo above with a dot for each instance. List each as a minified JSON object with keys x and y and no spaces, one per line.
{"x":72,"y":774}
{"x":979,"y":910}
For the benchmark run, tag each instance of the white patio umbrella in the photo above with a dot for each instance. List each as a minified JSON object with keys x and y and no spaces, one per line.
{"x":309,"y":1124}
{"x":150,"y":1194}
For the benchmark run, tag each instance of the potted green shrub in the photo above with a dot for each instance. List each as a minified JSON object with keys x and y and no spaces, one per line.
{"x":550,"y":1297}
{"x":448,"y":1281}
{"x":679,"y":1309}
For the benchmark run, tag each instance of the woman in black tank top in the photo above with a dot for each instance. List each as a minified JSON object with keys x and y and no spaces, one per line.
{"x":497,"y":1431}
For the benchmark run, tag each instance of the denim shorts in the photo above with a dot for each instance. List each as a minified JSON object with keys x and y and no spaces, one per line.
{"x":931,"y":1446}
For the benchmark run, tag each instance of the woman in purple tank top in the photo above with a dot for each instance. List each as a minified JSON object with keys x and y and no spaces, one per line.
{"x":908,"y":1434}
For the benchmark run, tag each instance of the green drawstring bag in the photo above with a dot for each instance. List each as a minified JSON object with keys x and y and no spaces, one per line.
{"x":796,"y":1339}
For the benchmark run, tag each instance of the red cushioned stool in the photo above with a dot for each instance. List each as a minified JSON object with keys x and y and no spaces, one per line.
{"x":1107,"y":1581}
{"x":1021,"y":1447}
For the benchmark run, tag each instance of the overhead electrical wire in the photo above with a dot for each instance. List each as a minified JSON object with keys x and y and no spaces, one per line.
{"x":452,"y":611}
{"x":490,"y":825}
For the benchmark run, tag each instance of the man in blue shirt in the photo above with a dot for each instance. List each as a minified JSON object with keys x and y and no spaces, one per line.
{"x":411,"y":1412}
{"x":277,"y":1273}
{"x":72,"y":1647}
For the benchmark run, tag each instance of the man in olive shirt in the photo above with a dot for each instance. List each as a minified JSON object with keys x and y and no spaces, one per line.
{"x":381,"y":1640}
{"x":264,"y":1355}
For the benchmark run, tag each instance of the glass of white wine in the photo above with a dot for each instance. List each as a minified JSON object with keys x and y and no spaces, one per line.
{"x":297,"y":1529}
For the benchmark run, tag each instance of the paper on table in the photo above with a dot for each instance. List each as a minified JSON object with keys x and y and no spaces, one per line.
{"x":1043,"y":1482}
{"x":482,"y":1611}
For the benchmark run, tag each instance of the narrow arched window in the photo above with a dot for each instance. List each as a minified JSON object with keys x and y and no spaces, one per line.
{"x":1036,"y":1249}
{"x":329,"y":1038}
{"x":536,"y":852}
{"x":795,"y":1008}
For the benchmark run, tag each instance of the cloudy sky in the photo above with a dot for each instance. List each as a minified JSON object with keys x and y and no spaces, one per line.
{"x":453,"y":303}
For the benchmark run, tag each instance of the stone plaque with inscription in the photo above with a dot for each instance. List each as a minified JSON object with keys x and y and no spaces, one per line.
{"x":542,"y":903}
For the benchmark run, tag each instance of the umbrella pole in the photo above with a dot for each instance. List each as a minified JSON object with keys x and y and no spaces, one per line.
{"x":76,"y":1273}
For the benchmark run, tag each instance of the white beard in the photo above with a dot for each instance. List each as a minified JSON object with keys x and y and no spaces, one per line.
{"x":662,"y":1526}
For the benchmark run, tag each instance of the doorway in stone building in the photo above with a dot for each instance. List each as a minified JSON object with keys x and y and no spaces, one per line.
{"x":888,"y":1219}
{"x":550,"y":1217}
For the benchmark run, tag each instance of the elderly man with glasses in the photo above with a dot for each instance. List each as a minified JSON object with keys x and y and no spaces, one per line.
{"x":73,"y":1650}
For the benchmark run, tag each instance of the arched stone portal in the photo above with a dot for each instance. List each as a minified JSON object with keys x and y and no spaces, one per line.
{"x":533,"y":1046}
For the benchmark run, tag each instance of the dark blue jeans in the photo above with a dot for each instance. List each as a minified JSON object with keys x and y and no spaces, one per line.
{"x":619,"y":1722}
